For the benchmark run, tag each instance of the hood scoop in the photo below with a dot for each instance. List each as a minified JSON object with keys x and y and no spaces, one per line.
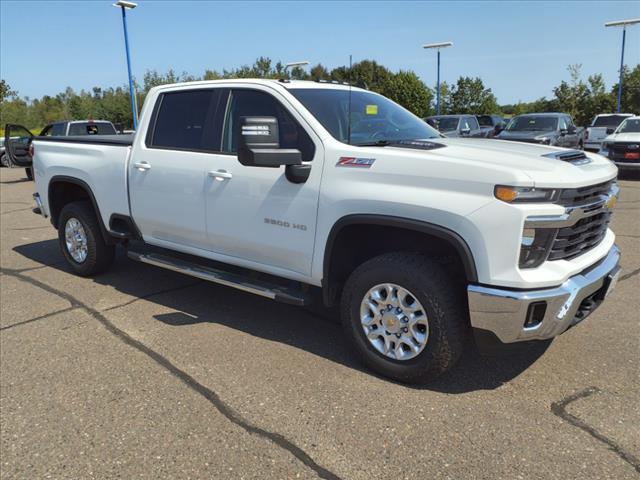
{"x":417,"y":144}
{"x":576,"y":157}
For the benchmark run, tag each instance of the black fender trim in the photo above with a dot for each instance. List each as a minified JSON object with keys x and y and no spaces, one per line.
{"x":443,"y":233}
{"x":108,"y":238}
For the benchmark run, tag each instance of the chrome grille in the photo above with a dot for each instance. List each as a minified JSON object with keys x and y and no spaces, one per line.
{"x":577,"y":239}
{"x":587,"y":232}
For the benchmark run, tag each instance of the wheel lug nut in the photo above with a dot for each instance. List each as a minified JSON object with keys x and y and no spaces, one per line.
{"x":405,"y":329}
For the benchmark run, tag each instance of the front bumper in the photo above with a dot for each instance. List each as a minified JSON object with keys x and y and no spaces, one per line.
{"x":508,"y":314}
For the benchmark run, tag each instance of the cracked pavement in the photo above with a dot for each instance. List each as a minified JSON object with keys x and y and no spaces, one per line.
{"x":142,"y":372}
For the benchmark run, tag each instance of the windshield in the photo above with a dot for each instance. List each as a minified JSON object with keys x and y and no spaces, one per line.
{"x":92,"y":128}
{"x":608,"y":121}
{"x":446,"y":124}
{"x":532,"y":124}
{"x":485,"y":120}
{"x":374,"y":118}
{"x":630,"y":125}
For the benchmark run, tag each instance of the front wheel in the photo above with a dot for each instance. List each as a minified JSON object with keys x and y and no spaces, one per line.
{"x":405,"y":316}
{"x":81,"y":240}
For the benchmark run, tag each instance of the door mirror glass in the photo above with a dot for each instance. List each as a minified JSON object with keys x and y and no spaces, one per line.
{"x":259,"y":146}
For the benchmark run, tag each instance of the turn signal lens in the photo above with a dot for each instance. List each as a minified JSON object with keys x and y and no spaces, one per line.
{"x":525,"y":194}
{"x":506,"y":194}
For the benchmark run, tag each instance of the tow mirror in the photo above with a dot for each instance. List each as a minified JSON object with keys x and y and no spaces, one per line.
{"x":259,"y":144}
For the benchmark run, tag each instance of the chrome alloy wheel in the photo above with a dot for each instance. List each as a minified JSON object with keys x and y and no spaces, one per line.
{"x":394,"y":321}
{"x":76,"y":240}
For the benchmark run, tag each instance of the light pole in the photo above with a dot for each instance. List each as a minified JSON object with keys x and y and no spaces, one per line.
{"x":124,"y":6}
{"x":624,"y":24}
{"x":438,"y":46}
{"x":295,"y":64}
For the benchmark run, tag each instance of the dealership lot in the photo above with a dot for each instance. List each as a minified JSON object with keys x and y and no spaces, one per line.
{"x":141,"y":372}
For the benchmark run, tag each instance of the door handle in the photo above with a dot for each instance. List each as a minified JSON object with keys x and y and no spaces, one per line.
{"x":142,"y":166}
{"x":220,"y":175}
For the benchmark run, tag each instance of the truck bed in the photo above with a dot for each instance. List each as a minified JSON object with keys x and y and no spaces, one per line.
{"x":98,"y":161}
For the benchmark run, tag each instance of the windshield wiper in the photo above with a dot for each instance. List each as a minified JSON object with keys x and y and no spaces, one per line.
{"x":377,"y":143}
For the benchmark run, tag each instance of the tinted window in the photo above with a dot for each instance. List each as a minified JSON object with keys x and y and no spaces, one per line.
{"x":253,"y":103}
{"x":446,"y":124}
{"x":373,"y":117}
{"x":186,"y":121}
{"x":532,"y":123}
{"x":608,"y":121}
{"x":58,"y":129}
{"x":485,"y":120}
{"x":89,"y":128}
{"x":473,"y":123}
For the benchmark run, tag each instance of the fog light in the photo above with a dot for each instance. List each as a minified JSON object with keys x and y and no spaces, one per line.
{"x":535,"y":314}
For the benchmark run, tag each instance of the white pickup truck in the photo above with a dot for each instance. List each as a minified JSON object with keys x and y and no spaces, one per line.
{"x":285,"y":189}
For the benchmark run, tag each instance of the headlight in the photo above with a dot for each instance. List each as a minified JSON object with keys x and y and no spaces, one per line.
{"x":525,"y":194}
{"x":535,"y":246}
{"x":545,"y":140}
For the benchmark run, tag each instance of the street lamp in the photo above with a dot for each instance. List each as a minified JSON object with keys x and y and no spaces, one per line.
{"x":124,"y":6}
{"x":295,"y":64}
{"x":438,"y":46}
{"x":624,"y":24}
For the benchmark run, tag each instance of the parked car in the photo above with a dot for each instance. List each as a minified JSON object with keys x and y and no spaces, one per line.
{"x":602,"y":125}
{"x":458,"y":125}
{"x":556,"y":129}
{"x":4,"y":159}
{"x":423,"y":241}
{"x":62,"y":129}
{"x":623,"y":146}
{"x":79,"y":127}
{"x":494,"y":123}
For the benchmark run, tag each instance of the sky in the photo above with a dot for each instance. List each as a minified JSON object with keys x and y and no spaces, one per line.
{"x":521,"y":50}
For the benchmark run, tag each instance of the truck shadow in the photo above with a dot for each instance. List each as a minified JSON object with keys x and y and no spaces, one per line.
{"x":315,"y":331}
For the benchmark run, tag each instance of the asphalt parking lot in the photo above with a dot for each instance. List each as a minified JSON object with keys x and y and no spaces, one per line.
{"x":145,"y":373}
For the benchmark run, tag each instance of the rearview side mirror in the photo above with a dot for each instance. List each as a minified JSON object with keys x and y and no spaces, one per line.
{"x":465,"y":131}
{"x":259,"y":144}
{"x":563,"y":132}
{"x":610,"y":131}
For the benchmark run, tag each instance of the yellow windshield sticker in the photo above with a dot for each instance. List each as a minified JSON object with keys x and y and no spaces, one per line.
{"x":372,"y":109}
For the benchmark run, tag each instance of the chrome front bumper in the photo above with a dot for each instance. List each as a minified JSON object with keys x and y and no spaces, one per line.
{"x":505,"y":312}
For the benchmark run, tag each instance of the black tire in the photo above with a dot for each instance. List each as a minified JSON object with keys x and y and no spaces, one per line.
{"x":29,"y":173}
{"x":99,"y":254}
{"x":440,"y":295}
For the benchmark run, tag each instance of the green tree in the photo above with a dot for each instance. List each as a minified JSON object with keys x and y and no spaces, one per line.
{"x":630,"y":90}
{"x":409,"y":91}
{"x":469,"y":95}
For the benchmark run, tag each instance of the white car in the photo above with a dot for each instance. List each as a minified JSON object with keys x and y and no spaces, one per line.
{"x":423,"y":241}
{"x":623,"y":146}
{"x":602,"y":125}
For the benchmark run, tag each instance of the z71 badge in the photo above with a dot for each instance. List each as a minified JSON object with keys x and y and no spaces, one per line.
{"x":354,"y":162}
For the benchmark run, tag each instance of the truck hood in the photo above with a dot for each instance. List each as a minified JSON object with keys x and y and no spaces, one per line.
{"x":503,"y":161}
{"x":524,"y":135}
{"x":623,"y":137}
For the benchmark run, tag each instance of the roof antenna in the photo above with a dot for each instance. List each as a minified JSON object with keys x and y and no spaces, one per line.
{"x":349,"y":110}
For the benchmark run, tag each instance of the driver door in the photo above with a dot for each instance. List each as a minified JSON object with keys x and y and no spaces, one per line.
{"x":17,"y":142}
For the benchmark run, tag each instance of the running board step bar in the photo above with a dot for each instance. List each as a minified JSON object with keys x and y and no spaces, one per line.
{"x":273,"y":291}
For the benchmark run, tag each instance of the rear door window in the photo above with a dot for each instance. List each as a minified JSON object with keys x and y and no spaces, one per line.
{"x":186,"y":120}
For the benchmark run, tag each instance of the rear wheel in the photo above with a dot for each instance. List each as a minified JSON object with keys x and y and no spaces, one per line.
{"x":405,"y":317}
{"x":81,"y":240}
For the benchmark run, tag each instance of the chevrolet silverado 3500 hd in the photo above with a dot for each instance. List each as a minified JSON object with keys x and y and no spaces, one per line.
{"x":423,"y":241}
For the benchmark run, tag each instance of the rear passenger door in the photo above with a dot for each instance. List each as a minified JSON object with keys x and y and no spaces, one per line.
{"x":167,"y":171}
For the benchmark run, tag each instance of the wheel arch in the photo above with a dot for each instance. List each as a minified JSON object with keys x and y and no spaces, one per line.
{"x":63,"y":190}
{"x":333,"y":275}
